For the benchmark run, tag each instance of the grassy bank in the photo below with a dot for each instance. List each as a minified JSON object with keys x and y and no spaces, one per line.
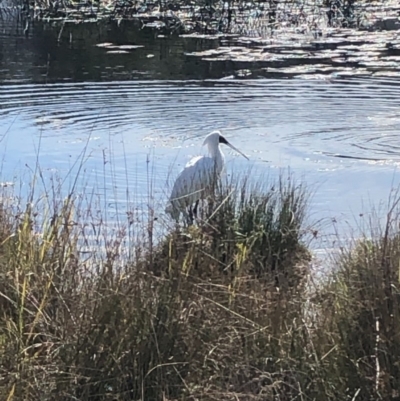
{"x":223,"y":310}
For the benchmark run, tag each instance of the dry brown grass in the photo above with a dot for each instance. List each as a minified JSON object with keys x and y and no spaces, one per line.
{"x":200,"y":314}
{"x":219,"y":311}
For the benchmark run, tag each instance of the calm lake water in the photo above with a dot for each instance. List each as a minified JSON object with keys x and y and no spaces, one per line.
{"x":142,"y":114}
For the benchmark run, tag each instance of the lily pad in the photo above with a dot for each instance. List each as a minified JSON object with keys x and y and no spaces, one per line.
{"x":117,"y":52}
{"x":108,"y":45}
{"x":105,"y":44}
{"x":128,"y":47}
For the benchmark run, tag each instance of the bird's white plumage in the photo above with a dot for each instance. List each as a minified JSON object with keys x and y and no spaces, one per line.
{"x":193,"y":183}
{"x":198,"y":177}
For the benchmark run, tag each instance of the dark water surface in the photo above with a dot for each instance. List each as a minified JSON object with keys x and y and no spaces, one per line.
{"x":143,"y":113}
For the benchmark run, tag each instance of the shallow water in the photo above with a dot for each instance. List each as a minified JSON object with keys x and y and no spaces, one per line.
{"x":143,"y":117}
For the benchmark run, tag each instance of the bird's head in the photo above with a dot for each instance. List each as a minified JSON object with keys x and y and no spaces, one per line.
{"x":215,"y":138}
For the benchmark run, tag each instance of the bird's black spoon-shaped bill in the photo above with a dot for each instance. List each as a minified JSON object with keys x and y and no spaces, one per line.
{"x":225,"y":142}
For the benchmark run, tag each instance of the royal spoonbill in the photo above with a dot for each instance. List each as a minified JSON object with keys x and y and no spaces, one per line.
{"x":198,"y":177}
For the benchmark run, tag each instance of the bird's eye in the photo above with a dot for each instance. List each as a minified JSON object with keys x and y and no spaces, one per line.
{"x":222,"y":139}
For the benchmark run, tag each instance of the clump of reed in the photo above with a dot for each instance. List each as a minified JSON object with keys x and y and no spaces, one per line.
{"x":360,"y":306}
{"x":222,"y":310}
{"x":255,"y":18}
{"x":199,"y":313}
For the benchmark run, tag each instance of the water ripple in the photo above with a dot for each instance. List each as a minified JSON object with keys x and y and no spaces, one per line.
{"x":356,"y":118}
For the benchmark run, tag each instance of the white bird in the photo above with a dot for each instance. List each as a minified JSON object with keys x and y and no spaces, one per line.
{"x":198,"y":177}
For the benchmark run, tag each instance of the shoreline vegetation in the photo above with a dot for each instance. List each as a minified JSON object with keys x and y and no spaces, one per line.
{"x":227,"y":309}
{"x":310,"y":39}
{"x":209,"y":17}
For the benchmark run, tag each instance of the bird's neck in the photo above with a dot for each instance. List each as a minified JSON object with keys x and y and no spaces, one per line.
{"x":217,"y":155}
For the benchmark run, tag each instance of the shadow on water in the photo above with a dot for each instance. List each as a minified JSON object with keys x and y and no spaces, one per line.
{"x":54,"y":53}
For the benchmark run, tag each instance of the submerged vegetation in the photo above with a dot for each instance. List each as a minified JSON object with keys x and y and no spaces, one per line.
{"x":226,"y":309}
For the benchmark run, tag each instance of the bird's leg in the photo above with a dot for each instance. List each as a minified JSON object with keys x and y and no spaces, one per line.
{"x":190,"y":217}
{"x":196,"y":205}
